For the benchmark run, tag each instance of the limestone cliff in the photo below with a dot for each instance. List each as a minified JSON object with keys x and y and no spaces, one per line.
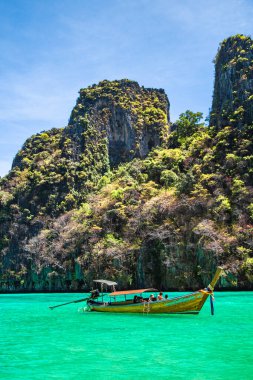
{"x":233,"y":86}
{"x":56,"y":170}
{"x":112,"y":122}
{"x":131,"y":118}
{"x":118,"y":194}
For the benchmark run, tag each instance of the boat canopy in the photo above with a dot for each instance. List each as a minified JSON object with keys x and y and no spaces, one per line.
{"x":137,"y":291}
{"x":106,"y":282}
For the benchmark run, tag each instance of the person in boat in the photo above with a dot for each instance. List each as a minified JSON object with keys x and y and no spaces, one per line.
{"x":152,"y":298}
{"x":138,"y":299}
{"x":160,"y":297}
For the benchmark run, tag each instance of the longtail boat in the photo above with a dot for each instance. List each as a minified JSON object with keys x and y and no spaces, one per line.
{"x":134,"y":301}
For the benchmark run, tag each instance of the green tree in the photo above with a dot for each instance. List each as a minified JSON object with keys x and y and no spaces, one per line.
{"x":188,"y":123}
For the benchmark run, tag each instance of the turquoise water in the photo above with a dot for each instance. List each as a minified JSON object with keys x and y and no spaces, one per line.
{"x":38,"y":343}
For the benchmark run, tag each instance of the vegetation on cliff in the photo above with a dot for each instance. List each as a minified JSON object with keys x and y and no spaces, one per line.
{"x":118,"y":194}
{"x":167,"y":220}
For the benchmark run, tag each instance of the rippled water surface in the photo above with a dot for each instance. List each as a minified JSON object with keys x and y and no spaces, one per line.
{"x":39,"y":343}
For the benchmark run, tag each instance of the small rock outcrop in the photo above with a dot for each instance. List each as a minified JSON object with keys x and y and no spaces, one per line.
{"x":233,"y":87}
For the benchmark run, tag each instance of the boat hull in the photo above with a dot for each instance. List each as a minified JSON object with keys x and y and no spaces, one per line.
{"x":188,"y":304}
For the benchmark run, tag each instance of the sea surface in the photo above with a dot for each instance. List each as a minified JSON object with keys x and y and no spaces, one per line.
{"x":67,"y":343}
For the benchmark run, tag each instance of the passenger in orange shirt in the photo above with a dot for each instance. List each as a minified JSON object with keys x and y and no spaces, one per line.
{"x":160,"y":297}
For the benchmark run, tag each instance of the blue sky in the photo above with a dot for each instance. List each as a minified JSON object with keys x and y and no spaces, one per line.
{"x":52,"y":48}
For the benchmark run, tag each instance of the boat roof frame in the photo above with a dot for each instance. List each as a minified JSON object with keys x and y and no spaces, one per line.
{"x":136,"y":291}
{"x":106,"y":282}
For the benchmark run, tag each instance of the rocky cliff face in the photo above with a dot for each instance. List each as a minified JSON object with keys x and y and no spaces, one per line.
{"x":233,"y":87}
{"x":131,"y":118}
{"x":112,"y":122}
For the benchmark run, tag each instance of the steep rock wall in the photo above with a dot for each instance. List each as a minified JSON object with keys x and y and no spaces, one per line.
{"x":233,"y":86}
{"x":131,"y":118}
